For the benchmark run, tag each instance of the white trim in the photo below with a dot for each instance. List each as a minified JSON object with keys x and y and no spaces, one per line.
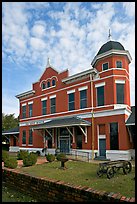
{"x":118,"y":106}
{"x":105,"y":63}
{"x":25,"y":94}
{"x":111,"y":112}
{"x":118,"y":69}
{"x":10,"y":133}
{"x":117,"y":81}
{"x":71,"y":91}
{"x":102,"y":136}
{"x":112,"y":76}
{"x":130,"y":124}
{"x":83,"y":88}
{"x":44,"y":99}
{"x":53,"y":96}
{"x":31,"y":102}
{"x":23,"y":104}
{"x":24,"y":145}
{"x":100,"y":84}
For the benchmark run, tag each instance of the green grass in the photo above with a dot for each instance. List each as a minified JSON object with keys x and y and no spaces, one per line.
{"x":84,"y":174}
{"x":13,"y":195}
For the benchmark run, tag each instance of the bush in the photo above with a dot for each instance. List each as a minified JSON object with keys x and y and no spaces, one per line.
{"x":30,"y":160}
{"x":50,"y":157}
{"x":61,"y":156}
{"x":21,"y":154}
{"x":11,"y":162}
{"x":5,"y":155}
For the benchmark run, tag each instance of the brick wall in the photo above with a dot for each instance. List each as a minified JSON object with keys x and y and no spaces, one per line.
{"x":49,"y":190}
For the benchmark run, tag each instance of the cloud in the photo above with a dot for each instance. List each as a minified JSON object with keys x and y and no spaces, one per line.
{"x":129,"y":8}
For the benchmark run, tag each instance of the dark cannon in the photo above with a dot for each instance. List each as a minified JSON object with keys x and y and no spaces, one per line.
{"x":63,"y":161}
{"x":110,"y":168}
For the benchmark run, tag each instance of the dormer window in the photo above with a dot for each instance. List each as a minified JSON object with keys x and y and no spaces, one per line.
{"x":48,"y":84}
{"x":118,"y":64}
{"x":105,"y":66}
{"x":53,"y":82}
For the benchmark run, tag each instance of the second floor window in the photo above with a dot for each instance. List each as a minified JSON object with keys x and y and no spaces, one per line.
{"x":44,"y":107}
{"x":71,"y":101}
{"x":100,"y":96}
{"x":53,"y":105}
{"x":30,"y":137}
{"x":48,"y":84}
{"x":83,"y":99}
{"x":120,"y":93}
{"x":30,"y":110}
{"x":105,"y":66}
{"x":24,"y":111}
{"x":53,"y":82}
{"x":119,"y":64}
{"x":24,"y":137}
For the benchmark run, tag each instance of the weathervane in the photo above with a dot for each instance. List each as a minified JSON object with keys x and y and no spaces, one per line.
{"x":109,"y":36}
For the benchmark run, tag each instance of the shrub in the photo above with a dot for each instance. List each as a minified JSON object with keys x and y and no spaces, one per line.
{"x":21,"y":154}
{"x":30,"y":160}
{"x":50,"y":157}
{"x":61,"y":156}
{"x":11,"y":162}
{"x":5,"y":155}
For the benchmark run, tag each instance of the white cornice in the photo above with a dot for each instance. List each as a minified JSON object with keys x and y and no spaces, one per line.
{"x":25,"y":94}
{"x":110,"y":52}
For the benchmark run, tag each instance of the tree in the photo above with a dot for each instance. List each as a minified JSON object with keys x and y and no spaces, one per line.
{"x":9,"y":121}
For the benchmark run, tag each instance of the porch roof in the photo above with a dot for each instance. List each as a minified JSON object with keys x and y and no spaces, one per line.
{"x":131,"y":119}
{"x":11,"y":131}
{"x":63,"y":122}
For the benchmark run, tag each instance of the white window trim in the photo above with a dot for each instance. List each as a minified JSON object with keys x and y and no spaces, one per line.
{"x":31,"y":102}
{"x":53,"y":96}
{"x":105,"y":63}
{"x":118,"y":81}
{"x":83,"y":88}
{"x":71,"y":91}
{"x":121,"y":63}
{"x":24,"y":104}
{"x":100,"y":84}
{"x":44,"y":99}
{"x":102,"y":136}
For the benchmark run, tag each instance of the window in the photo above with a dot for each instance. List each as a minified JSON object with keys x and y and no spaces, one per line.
{"x":48,"y":84}
{"x":105,"y":66}
{"x":100,"y":96}
{"x":24,"y":111}
{"x":44,"y":107}
{"x":53,"y":105}
{"x":43,"y":85}
{"x":114,"y":136}
{"x":83,"y":99}
{"x":24,"y":137}
{"x":71,"y":101}
{"x":53,"y":82}
{"x":120,"y":93}
{"x":30,"y":137}
{"x":30,"y":110}
{"x":119,"y":64}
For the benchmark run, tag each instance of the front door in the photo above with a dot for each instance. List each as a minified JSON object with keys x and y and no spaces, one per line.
{"x":102,"y":147}
{"x":64,"y":144}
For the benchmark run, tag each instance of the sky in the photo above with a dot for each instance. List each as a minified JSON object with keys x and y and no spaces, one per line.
{"x":69,"y":33}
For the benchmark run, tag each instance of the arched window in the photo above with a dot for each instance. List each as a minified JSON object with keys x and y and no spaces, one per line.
{"x":48,"y":84}
{"x":43,"y":85}
{"x":53,"y":82}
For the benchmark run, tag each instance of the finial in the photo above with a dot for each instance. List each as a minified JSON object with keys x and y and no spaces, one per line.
{"x":48,"y":62}
{"x":109,"y":36}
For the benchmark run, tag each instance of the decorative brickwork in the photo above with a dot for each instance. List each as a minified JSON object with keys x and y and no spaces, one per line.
{"x":51,"y":190}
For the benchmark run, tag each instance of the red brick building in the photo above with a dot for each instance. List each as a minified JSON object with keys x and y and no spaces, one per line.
{"x":86,"y":111}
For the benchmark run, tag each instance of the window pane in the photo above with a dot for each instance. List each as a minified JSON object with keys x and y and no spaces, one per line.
{"x":71,"y":106}
{"x":119,"y":64}
{"x":71,"y":101}
{"x":24,"y":137}
{"x":48,"y":84}
{"x":114,"y":136}
{"x":105,"y":66}
{"x":30,"y":110}
{"x":43,"y":85}
{"x":120,"y":93}
{"x":100,"y":96}
{"x":53,"y":82}
{"x":30,"y":137}
{"x":44,"y":107}
{"x":71,"y":97}
{"x":53,"y":105}
{"x":23,"y":111}
{"x":83,"y":99}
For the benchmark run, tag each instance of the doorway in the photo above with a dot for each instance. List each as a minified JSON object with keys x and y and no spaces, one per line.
{"x":102,"y":147}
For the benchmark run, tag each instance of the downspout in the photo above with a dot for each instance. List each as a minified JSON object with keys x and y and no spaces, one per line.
{"x":92,"y":112}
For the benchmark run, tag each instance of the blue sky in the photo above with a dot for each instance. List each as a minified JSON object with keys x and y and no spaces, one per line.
{"x":70,"y":34}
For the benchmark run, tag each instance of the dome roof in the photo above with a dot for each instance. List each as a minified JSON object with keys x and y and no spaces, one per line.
{"x":109,"y":46}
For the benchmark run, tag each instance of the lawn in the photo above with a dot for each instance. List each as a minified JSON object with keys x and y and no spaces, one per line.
{"x":84,"y":174}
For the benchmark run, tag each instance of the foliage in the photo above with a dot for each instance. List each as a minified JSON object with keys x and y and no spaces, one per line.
{"x":30,"y":159}
{"x":38,"y":153}
{"x":21,"y":154}
{"x":50,"y":157}
{"x":9,"y":121}
{"x":5,"y":155}
{"x":61,"y":156}
{"x":10,"y":162}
